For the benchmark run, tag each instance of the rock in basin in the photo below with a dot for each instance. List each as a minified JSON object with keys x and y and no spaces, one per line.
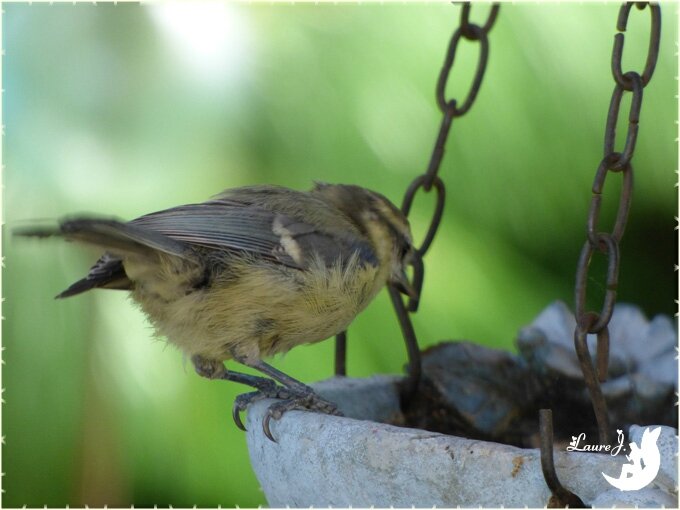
{"x":358,"y":461}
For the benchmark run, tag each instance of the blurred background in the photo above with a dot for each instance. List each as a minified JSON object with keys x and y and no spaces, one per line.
{"x":123,"y":110}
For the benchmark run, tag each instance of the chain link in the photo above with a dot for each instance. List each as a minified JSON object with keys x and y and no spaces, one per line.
{"x":615,"y":162}
{"x":430,"y":179}
{"x":654,"y":41}
{"x":450,"y":110}
{"x":611,"y":247}
{"x":475,"y":34}
{"x":596,"y":201}
{"x":605,"y":242}
{"x":623,"y":158}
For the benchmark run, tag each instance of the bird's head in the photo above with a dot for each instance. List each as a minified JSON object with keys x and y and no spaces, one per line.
{"x":381,"y":222}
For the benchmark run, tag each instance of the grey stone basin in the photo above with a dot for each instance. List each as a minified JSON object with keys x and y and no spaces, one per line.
{"x":359,"y":461}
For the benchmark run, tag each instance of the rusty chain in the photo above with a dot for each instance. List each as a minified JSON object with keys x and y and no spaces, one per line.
{"x":589,"y":322}
{"x":430,"y":179}
{"x":450,"y":110}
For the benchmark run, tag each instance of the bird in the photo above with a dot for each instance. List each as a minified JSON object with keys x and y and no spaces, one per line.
{"x":250,"y":273}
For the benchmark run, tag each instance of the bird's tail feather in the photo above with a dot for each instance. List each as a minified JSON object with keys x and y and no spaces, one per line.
{"x":112,"y":235}
{"x":118,"y":281}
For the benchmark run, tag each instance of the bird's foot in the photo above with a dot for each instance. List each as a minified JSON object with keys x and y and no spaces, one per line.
{"x":289,"y":401}
{"x":244,"y":400}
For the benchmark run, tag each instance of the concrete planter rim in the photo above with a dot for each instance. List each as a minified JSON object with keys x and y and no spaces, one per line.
{"x":357,"y":460}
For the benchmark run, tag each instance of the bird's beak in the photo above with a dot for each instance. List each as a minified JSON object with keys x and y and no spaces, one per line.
{"x":401,"y":283}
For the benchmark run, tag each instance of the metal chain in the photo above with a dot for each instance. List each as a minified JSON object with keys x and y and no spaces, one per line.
{"x":604,"y":242}
{"x":588,"y":322}
{"x":430,"y":179}
{"x":450,"y":110}
{"x":427,"y":181}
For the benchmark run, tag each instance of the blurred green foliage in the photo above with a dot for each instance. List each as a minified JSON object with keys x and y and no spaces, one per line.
{"x":128,"y":109}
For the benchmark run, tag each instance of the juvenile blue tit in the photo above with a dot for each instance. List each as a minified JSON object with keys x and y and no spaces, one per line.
{"x":251,"y":273}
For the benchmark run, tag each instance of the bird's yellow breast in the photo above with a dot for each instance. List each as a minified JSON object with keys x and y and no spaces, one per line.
{"x":259,"y":309}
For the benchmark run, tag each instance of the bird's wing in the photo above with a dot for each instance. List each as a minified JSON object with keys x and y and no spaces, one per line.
{"x":234,"y":225}
{"x":239,"y":223}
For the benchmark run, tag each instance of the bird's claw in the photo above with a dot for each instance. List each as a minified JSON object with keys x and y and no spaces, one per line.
{"x":236,"y":415}
{"x":288,"y":401}
{"x":244,"y":400}
{"x":309,"y":402}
